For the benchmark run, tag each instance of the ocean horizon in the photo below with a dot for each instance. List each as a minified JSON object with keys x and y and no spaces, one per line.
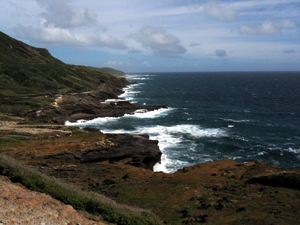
{"x":243,"y":116}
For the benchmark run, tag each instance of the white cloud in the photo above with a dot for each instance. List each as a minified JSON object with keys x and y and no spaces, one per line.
{"x":83,"y":24}
{"x":106,"y":40}
{"x":61,"y":14}
{"x":60,"y":36}
{"x":221,"y":12}
{"x":221,"y":53}
{"x":267,"y":28}
{"x":63,"y":24}
{"x":159,"y":41}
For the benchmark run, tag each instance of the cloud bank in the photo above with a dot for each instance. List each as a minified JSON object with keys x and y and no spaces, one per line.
{"x":59,"y":13}
{"x":62,"y":24}
{"x":170,"y":35}
{"x":220,"y":12}
{"x":159,"y":41}
{"x":267,"y":28}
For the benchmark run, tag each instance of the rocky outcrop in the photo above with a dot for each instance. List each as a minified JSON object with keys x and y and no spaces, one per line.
{"x":281,"y":179}
{"x":135,"y":150}
{"x":221,"y":192}
{"x":89,"y":146}
{"x":89,"y":105}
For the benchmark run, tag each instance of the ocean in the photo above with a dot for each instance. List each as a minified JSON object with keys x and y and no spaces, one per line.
{"x":244,"y":116}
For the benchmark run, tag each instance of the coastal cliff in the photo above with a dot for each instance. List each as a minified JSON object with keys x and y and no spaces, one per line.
{"x":37,"y":100}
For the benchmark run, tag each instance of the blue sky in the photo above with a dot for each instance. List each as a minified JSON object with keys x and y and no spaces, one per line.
{"x":161,"y":35}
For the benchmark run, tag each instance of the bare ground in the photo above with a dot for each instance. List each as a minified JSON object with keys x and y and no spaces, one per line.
{"x":21,"y":206}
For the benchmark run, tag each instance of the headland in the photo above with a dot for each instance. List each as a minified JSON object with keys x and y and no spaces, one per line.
{"x":119,"y":166}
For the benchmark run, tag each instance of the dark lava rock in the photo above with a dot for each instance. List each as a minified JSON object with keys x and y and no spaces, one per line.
{"x":136,"y":150}
{"x":108,"y":182}
{"x":90,"y":129}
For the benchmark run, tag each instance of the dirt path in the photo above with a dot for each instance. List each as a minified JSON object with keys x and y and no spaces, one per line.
{"x":13,"y":126}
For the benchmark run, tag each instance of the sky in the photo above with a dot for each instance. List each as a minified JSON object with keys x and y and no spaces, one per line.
{"x":161,"y":35}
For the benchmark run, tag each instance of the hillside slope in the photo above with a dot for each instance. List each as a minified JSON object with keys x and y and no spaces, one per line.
{"x":27,"y":74}
{"x":108,"y":70}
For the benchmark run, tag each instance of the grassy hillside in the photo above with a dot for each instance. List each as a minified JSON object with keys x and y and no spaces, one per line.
{"x":28,"y":73}
{"x":14,"y":49}
{"x":108,"y":70}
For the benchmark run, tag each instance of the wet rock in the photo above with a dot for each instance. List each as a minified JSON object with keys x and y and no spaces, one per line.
{"x":90,"y":129}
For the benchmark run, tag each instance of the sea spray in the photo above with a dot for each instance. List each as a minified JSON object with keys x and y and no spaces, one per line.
{"x":243,"y":116}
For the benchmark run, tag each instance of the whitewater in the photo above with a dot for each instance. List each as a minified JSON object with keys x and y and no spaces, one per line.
{"x":210,"y":116}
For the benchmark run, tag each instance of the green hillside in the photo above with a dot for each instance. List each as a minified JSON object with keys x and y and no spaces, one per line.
{"x":28,"y":73}
{"x":108,"y":70}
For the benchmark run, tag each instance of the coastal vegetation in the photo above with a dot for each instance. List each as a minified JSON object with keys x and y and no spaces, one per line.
{"x":108,"y":70}
{"x":90,"y":202}
{"x":29,"y":76}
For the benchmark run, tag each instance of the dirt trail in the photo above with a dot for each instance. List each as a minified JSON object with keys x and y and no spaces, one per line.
{"x":13,"y":126}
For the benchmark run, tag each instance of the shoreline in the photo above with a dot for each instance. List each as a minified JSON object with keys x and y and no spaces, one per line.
{"x":220,"y":192}
{"x":85,"y":122}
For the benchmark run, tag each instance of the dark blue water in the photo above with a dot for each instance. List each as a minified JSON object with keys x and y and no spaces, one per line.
{"x":245,"y":116}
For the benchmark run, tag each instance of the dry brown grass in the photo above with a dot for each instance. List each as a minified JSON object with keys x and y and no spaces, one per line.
{"x":91,"y":202}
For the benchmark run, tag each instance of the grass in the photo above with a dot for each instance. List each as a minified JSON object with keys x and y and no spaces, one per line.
{"x":90,"y":202}
{"x":17,"y":105}
{"x":7,"y":140}
{"x":76,"y":130}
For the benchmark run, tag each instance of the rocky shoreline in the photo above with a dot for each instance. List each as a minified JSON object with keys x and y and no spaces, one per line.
{"x":120,"y":166}
{"x":137,"y":150}
{"x":89,"y":105}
